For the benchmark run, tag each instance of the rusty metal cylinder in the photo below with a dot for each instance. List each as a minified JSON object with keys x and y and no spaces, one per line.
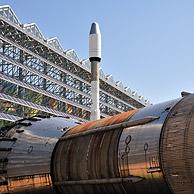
{"x":150,"y":151}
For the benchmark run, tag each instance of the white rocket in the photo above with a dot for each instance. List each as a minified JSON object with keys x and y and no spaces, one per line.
{"x":95,"y":58}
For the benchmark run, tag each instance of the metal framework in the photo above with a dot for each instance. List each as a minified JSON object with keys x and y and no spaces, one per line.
{"x":37,"y":76}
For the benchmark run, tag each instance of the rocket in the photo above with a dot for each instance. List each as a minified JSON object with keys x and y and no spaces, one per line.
{"x":95,"y":58}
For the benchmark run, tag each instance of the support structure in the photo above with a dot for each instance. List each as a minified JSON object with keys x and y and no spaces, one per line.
{"x":37,"y":76}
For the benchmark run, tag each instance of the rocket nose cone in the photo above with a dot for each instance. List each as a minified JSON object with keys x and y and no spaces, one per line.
{"x":95,"y":28}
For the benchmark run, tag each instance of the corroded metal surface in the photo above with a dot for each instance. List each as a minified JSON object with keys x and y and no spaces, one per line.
{"x":102,"y":122}
{"x":177,"y":147}
{"x":92,"y":157}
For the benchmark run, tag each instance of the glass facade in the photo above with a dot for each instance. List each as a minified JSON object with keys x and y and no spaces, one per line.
{"x":38,"y":77}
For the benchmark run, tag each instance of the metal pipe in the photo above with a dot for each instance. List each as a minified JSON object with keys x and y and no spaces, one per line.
{"x":111,"y":127}
{"x":130,"y":179}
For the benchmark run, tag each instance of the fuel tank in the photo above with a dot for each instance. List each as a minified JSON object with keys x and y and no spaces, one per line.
{"x":25,"y":154}
{"x":145,"y":151}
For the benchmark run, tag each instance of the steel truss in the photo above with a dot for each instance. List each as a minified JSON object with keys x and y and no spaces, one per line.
{"x":38,"y":77}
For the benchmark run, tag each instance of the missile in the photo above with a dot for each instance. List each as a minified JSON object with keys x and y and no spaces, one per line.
{"x":143,"y":151}
{"x":95,"y":58}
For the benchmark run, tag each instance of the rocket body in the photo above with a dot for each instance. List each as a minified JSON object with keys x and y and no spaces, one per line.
{"x":143,"y":151}
{"x":95,"y":58}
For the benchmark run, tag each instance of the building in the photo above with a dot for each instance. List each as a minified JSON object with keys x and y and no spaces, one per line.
{"x":37,"y":76}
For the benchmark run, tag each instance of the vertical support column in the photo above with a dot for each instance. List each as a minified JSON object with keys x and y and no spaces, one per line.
{"x":63,"y":106}
{"x":106,"y":100}
{"x":19,"y":108}
{"x":80,"y":99}
{"x":95,"y":109}
{"x":44,"y":86}
{"x":2,"y":44}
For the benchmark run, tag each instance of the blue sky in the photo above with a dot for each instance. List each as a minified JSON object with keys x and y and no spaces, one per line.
{"x":147,"y":44}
